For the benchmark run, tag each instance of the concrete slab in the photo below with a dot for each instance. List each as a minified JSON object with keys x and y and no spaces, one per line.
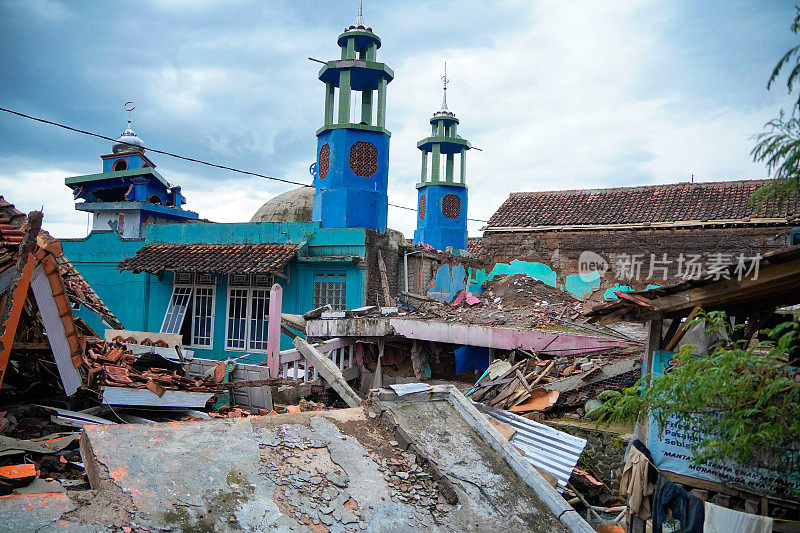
{"x":505,"y":338}
{"x":489,"y":476}
{"x":27,"y":513}
{"x":331,"y":471}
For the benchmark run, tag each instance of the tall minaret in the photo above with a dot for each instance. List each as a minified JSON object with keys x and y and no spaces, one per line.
{"x":442,"y":204}
{"x":353,"y":144}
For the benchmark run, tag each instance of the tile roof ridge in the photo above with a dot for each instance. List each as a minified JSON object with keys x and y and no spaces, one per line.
{"x":630,"y":188}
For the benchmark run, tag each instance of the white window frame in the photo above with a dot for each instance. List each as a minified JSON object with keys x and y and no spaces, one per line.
{"x":170,"y":324}
{"x":192,"y":287}
{"x":213,"y":296}
{"x":338,"y":277}
{"x":247,"y":291}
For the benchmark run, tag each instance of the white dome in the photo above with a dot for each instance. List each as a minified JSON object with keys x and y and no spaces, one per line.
{"x":130,"y":138}
{"x":292,"y":206}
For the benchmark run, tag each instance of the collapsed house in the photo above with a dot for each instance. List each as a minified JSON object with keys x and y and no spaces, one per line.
{"x":757,"y":299}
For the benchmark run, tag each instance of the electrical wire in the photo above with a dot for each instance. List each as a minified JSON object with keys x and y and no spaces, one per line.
{"x":177,"y":156}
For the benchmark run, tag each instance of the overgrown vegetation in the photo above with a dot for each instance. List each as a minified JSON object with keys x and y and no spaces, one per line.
{"x":778,"y":146}
{"x":745,"y":399}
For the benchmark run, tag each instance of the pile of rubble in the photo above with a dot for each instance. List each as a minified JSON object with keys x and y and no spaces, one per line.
{"x":538,"y":384}
{"x":517,"y":301}
{"x":112,"y":363}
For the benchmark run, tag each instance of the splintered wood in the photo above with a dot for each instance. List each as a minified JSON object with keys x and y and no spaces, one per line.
{"x":514,"y":386}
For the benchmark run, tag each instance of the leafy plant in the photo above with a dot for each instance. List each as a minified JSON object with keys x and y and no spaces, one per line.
{"x":745,"y":398}
{"x":779,"y":144}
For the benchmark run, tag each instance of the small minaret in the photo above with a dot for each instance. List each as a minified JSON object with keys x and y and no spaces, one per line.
{"x":352,"y":170}
{"x":129,"y":194}
{"x":442,"y":192}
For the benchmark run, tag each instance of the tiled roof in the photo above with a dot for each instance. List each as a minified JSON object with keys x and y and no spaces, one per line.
{"x":12,"y":229}
{"x":475,"y":246}
{"x":217,"y":258}
{"x":670,"y":204}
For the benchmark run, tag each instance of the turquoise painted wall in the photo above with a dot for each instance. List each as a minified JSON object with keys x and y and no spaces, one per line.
{"x":578,"y":286}
{"x":96,"y":257}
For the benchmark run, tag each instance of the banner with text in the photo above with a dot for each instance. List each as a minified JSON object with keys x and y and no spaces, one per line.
{"x":672,"y":452}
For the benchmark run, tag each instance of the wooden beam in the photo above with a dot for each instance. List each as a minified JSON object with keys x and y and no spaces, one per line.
{"x":777,"y":279}
{"x":676,"y":338}
{"x":329,"y":372}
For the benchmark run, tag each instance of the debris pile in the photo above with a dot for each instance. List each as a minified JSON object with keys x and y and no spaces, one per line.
{"x":36,"y":453}
{"x":538,"y":384}
{"x":516,"y":301}
{"x":112,"y":363}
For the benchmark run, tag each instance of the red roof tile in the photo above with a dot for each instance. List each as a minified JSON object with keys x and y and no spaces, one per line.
{"x":12,"y":229}
{"x":671,"y":203}
{"x":475,"y":246}
{"x":217,"y":258}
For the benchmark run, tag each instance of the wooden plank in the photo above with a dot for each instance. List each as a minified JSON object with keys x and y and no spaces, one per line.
{"x":18,"y":345}
{"x":504,"y":429}
{"x":329,"y":372}
{"x":387,"y":296}
{"x":676,"y":338}
{"x":478,"y":396}
{"x":524,"y":381}
{"x":543,"y":374}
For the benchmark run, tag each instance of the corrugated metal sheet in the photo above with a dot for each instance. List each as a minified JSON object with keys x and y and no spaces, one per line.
{"x":56,"y":335}
{"x":548,"y":449}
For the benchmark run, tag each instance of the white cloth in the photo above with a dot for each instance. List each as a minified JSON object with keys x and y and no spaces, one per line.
{"x":723,"y":520}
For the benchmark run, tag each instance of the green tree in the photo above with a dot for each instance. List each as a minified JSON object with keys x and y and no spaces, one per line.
{"x":778,"y":145}
{"x":745,"y":397}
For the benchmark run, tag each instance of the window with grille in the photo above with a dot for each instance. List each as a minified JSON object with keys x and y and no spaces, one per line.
{"x":192,"y":296}
{"x":423,"y":202}
{"x":324,"y":160}
{"x":363,"y":159}
{"x":330,"y":288}
{"x":236,"y":338}
{"x":178,"y":304}
{"x":203,"y":324}
{"x":451,"y":206}
{"x":248,"y":312}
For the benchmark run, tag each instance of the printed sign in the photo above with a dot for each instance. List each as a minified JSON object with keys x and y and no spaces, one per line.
{"x":672,"y":452}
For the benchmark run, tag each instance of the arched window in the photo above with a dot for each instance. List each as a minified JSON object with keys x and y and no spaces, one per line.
{"x":120,"y":164}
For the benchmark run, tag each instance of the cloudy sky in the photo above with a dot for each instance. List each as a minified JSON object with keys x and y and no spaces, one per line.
{"x":559,"y":95}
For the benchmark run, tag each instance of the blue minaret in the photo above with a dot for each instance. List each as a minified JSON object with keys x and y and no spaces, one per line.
{"x":353,"y":144}
{"x":442,"y":194}
{"x":129,"y":194}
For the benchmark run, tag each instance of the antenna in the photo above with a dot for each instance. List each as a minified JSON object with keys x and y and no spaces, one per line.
{"x":360,"y":18}
{"x":129,"y":107}
{"x":445,"y":81}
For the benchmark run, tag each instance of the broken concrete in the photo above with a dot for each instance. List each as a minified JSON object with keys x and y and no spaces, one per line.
{"x":333,"y":471}
{"x":488,"y":473}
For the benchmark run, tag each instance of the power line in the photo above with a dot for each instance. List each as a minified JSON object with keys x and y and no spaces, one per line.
{"x":177,"y":156}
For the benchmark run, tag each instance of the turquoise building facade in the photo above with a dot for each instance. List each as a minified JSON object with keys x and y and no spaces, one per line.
{"x":329,"y":265}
